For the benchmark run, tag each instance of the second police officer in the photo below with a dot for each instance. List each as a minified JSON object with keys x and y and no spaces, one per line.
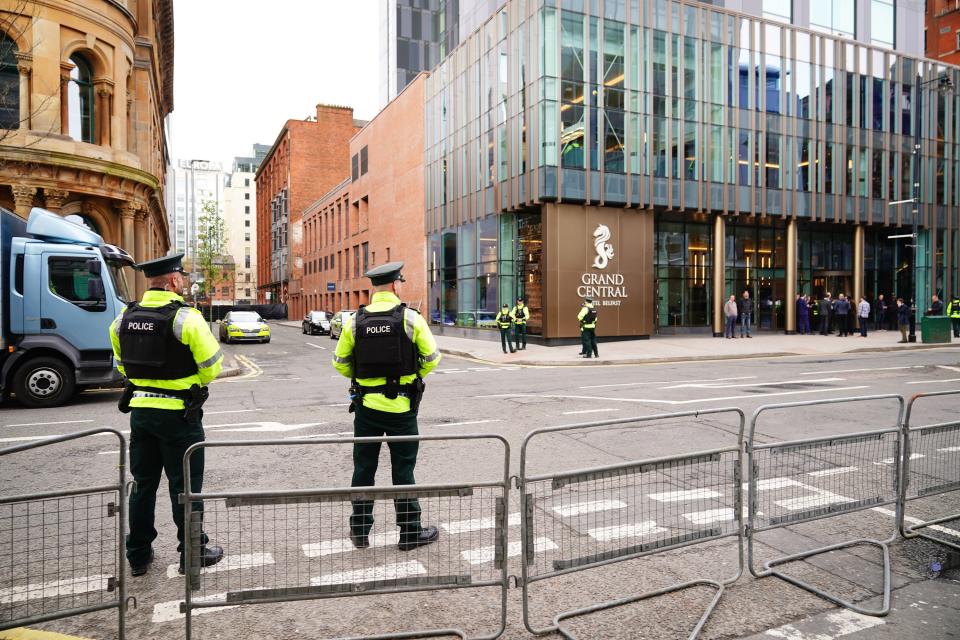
{"x":386,"y":350}
{"x":520,"y":314}
{"x":953,"y":310}
{"x":587,"y":317}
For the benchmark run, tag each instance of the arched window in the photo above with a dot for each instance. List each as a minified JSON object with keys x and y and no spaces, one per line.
{"x":9,"y":84}
{"x":80,"y":99}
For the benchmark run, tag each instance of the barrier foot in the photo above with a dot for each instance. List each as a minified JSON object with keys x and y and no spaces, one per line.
{"x":637,"y":598}
{"x":914,"y":531}
{"x":429,"y":633}
{"x":882,"y":611}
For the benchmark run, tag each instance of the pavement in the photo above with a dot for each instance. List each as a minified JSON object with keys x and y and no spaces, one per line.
{"x":675,"y":348}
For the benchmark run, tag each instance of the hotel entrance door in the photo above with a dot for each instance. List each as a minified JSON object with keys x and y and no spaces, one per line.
{"x":834,"y":282}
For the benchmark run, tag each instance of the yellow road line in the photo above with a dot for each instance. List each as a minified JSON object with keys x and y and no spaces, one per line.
{"x":23,"y":633}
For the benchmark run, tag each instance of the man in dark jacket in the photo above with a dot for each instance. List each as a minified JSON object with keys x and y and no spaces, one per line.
{"x":903,"y":319}
{"x":746,"y":314}
{"x":803,"y":316}
{"x":826,"y":308}
{"x":936,"y":306}
{"x":879,"y":312}
{"x":841,"y":311}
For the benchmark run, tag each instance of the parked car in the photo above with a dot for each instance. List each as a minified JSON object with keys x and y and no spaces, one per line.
{"x":244,"y":325}
{"x":336,"y":325}
{"x":316,"y":322}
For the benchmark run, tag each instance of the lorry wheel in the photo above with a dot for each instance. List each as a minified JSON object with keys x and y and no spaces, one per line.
{"x":43,"y":382}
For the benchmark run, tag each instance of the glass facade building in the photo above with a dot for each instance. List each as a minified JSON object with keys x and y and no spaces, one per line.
{"x":718,"y":152}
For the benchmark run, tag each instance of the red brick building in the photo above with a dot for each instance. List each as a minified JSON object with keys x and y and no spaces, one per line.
{"x":374,"y":216}
{"x":942,"y":38}
{"x":307,"y":159}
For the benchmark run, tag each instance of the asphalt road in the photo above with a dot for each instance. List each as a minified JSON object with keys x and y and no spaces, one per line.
{"x":289,"y":395}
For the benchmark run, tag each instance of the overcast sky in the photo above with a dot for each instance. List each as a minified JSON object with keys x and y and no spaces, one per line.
{"x":244,"y":67}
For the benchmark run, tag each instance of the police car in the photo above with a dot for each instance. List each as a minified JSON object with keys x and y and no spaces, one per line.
{"x":244,"y":326}
{"x":336,"y":325}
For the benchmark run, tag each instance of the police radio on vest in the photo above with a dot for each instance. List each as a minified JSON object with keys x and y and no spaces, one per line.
{"x":140,"y":326}
{"x":384,"y":328}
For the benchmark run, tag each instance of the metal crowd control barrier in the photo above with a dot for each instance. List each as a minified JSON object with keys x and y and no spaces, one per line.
{"x":563,"y":508}
{"x":931,"y":467}
{"x":61,"y":552}
{"x":802,"y":481}
{"x":285,"y":546}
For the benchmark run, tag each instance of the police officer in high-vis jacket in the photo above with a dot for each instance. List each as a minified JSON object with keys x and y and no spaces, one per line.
{"x":953,"y":311}
{"x":168,"y":355}
{"x":520,"y":314}
{"x":587,"y":317}
{"x":505,"y":322}
{"x":386,"y":350}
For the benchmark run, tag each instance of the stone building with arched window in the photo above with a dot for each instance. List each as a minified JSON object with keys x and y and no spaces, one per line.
{"x":84,"y":92}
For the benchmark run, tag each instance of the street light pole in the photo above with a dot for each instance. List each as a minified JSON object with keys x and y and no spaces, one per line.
{"x":944,"y":86}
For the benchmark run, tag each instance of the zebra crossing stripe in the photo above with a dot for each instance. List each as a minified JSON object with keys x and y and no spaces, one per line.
{"x":170,"y":611}
{"x":565,"y":511}
{"x":832,"y":472}
{"x":343,"y":545}
{"x":56,"y":589}
{"x":487,"y":554}
{"x":478,"y":524}
{"x":229,"y":563}
{"x":396,"y":571}
{"x":709,"y":516}
{"x":637,"y":530}
{"x":685,"y":496}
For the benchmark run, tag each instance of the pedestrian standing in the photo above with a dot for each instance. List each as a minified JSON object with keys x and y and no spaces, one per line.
{"x":746,"y":314}
{"x":168,"y":355}
{"x":504,"y":321}
{"x":386,"y":350}
{"x":953,"y":310}
{"x":730,"y":312}
{"x":936,"y":306}
{"x":841,"y":311}
{"x":587,"y":317}
{"x":863,"y":313}
{"x":803,"y":316}
{"x":879,"y":313}
{"x":903,"y":319}
{"x":851,"y":316}
{"x":520,"y":314}
{"x":814,"y":306}
{"x":826,"y":310}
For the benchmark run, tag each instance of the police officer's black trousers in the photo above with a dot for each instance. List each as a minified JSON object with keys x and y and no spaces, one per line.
{"x":588,"y":338}
{"x":956,"y":327}
{"x":505,"y":340}
{"x":158,"y":440}
{"x":520,"y":333}
{"x":370,"y":423}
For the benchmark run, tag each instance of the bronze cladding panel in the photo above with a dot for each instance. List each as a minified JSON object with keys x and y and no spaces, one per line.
{"x":569,"y":253}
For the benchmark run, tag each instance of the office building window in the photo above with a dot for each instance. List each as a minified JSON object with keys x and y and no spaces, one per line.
{"x":246,"y":196}
{"x":246,"y":183}
{"x":837,"y":17}
{"x":354,"y":167}
{"x":246,"y":209}
{"x":778,"y":10}
{"x":363,"y":160}
{"x":246,"y":237}
{"x":80,"y":99}
{"x":246,"y":223}
{"x":882,"y":23}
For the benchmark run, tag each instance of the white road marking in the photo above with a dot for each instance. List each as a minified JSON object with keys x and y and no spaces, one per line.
{"x":229,"y":563}
{"x":949,"y":449}
{"x":44,"y":437}
{"x":819,"y":499}
{"x":315,"y":346}
{"x":262,"y":426}
{"x":948,"y":367}
{"x":684,"y":496}
{"x":634,"y":384}
{"x":396,"y":571}
{"x":319,"y":435}
{"x":460,"y":424}
{"x":772,"y":484}
{"x":832,"y":472}
{"x":216,"y":413}
{"x":343,"y":545}
{"x":487,"y":554}
{"x":43,"y":424}
{"x":618,"y":532}
{"x":913,"y":456}
{"x":343,"y":404}
{"x":571,"y":413}
{"x":478,"y":524}
{"x":107,"y":453}
{"x":840,"y":623}
{"x":593,"y":506}
{"x":709,"y":516}
{"x":60,"y":588}
{"x":711,"y":385}
{"x":670,"y":402}
{"x":934,"y":381}
{"x":912,"y":520}
{"x":170,"y":611}
{"x":871,"y":369}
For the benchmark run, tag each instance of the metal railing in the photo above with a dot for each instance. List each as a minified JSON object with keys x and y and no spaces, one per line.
{"x":931,"y":467}
{"x":61,"y":552}
{"x":591,"y":517}
{"x":810,"y":479}
{"x":296,"y":545}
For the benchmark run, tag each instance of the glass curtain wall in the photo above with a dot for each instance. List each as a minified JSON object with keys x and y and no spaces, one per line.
{"x":756,"y":262}
{"x":683,"y":274}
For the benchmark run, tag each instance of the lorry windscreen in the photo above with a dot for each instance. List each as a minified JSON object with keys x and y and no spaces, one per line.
{"x":119,"y":280}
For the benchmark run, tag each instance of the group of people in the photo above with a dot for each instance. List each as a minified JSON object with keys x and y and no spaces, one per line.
{"x":513,"y":326}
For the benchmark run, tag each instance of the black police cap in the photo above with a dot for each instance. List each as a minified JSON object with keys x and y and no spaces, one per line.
{"x":161,"y":266}
{"x":385,"y":273}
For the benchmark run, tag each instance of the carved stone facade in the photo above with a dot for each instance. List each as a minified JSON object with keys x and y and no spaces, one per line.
{"x":102,"y":155}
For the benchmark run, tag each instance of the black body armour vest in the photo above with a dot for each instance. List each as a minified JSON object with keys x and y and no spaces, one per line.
{"x":148,"y":347}
{"x":382,"y":348}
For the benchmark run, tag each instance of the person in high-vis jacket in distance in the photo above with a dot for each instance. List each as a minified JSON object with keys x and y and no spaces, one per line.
{"x":587,"y":317}
{"x":520,"y":314}
{"x":168,"y":356}
{"x":505,"y":322}
{"x":386,"y":350}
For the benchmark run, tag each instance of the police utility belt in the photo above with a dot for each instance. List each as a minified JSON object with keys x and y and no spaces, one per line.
{"x":383,"y":349}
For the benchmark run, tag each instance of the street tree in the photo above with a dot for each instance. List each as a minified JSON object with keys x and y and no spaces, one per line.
{"x":211,"y":240}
